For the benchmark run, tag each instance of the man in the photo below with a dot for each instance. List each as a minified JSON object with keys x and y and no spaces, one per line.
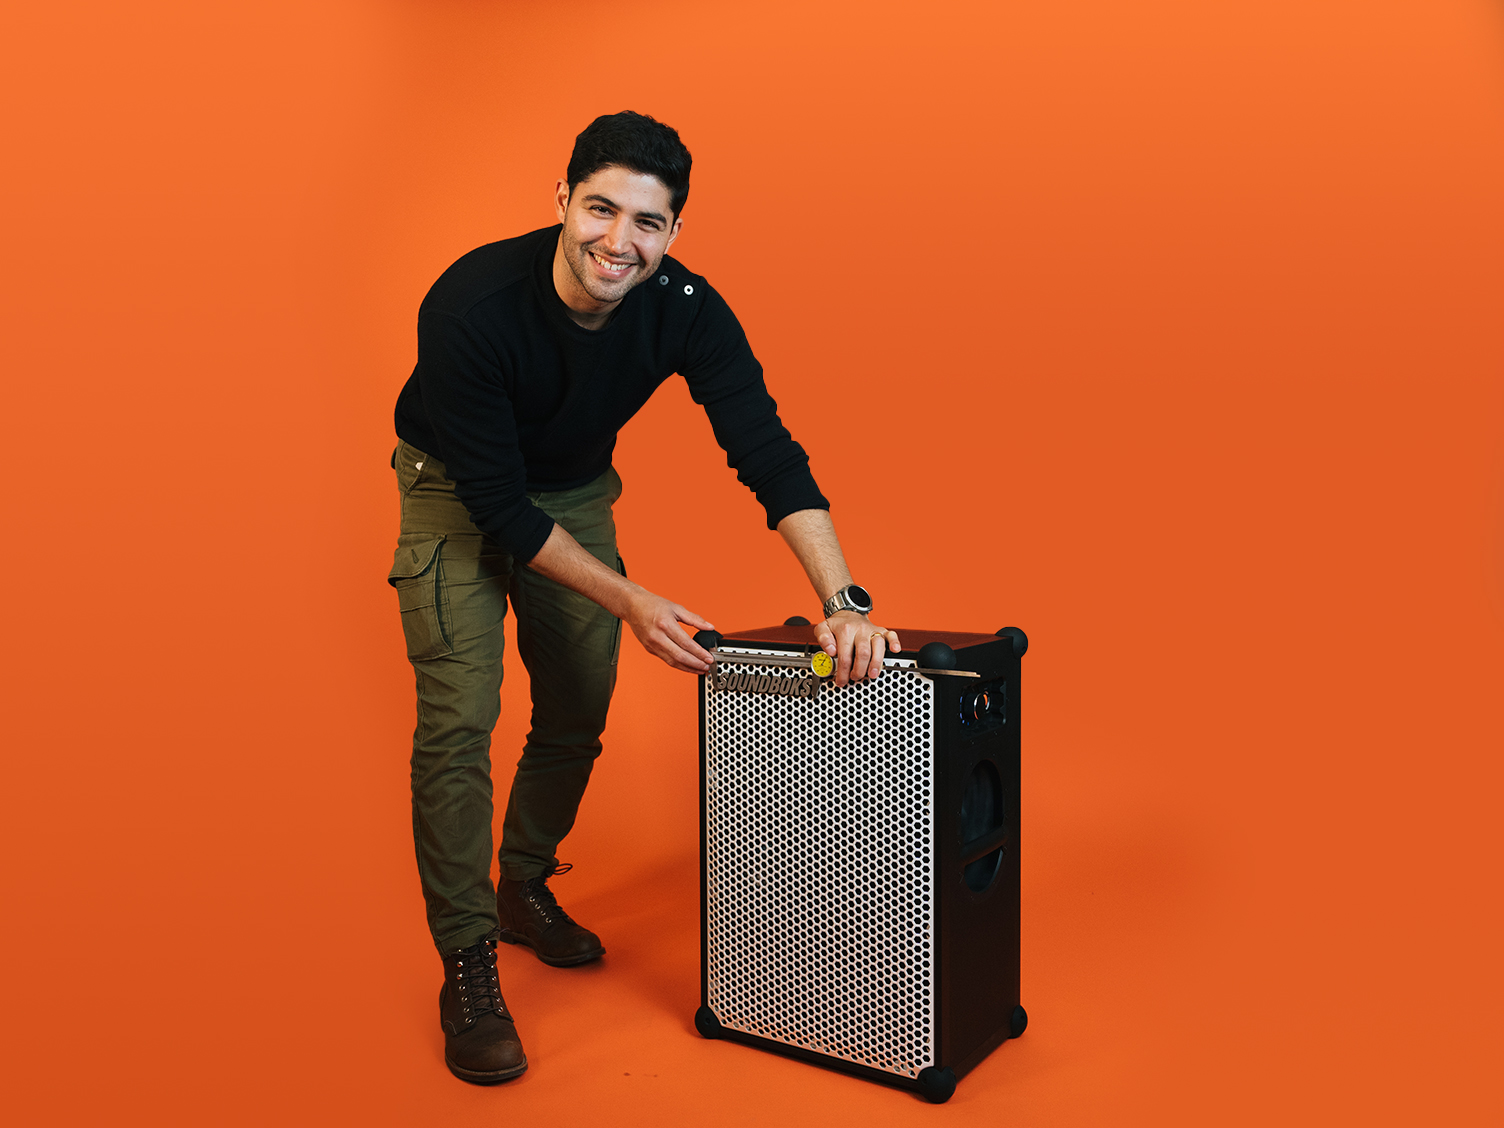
{"x":532,"y":354}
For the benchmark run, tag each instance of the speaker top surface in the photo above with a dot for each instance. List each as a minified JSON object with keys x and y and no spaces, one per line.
{"x":798,"y":638}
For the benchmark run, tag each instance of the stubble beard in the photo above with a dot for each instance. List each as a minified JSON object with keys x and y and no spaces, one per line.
{"x":577,"y":254}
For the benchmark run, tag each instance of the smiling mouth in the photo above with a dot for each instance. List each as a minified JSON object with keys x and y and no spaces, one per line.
{"x":613,"y":267}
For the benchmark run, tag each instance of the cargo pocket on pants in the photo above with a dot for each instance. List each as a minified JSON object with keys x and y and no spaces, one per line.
{"x":415,"y":575}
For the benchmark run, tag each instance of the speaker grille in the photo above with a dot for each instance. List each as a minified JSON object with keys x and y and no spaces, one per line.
{"x":819,"y":824}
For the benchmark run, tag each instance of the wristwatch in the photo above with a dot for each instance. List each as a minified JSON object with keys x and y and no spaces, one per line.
{"x":849,"y":598}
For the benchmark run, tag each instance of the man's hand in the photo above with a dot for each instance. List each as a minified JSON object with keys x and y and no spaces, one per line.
{"x":856,"y":644}
{"x":655,"y":621}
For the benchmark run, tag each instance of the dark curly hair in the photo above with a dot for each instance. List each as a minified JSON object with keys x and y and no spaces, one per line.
{"x":635,"y":142}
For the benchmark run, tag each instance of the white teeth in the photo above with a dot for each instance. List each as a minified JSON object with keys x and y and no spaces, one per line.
{"x":614,"y":267}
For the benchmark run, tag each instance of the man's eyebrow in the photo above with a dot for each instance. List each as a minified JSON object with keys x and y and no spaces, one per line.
{"x":614,"y":206}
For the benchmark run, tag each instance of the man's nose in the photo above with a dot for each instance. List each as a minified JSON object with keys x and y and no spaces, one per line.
{"x":618,"y":236}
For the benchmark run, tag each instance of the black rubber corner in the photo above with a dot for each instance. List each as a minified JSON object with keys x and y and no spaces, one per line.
{"x":937,"y":656}
{"x":936,"y":1085}
{"x":1020,"y":640}
{"x":796,"y":621}
{"x":707,"y":1024}
{"x":1018,"y":1022}
{"x":708,"y":639}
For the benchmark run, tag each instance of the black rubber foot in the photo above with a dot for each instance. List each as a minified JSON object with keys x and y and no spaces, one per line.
{"x":707,"y":1024}
{"x":937,"y":1085}
{"x":1018,"y":1022}
{"x":796,"y":621}
{"x":708,"y":639}
{"x":1020,"y":640}
{"x":937,"y":656}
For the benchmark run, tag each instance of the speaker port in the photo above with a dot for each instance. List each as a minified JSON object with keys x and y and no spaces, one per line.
{"x":983,"y":835}
{"x":974,"y":706}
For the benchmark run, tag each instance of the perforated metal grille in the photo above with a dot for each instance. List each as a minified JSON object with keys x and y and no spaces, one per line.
{"x":819,"y":835}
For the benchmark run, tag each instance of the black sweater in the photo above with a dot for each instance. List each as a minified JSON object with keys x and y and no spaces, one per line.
{"x":511,"y":395}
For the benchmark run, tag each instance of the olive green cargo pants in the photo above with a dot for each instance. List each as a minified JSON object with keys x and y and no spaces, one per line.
{"x":453,"y":586}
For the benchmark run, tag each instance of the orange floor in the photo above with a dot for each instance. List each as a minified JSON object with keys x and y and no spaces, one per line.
{"x":265,"y":960}
{"x":1168,"y":332}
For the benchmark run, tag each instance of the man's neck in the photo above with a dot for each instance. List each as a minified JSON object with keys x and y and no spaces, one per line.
{"x":584,"y":310}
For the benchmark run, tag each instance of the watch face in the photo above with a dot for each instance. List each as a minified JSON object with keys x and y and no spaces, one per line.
{"x":859,"y":596}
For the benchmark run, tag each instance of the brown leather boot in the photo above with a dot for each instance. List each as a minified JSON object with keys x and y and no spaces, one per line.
{"x":480,"y":1042}
{"x":530,"y":915}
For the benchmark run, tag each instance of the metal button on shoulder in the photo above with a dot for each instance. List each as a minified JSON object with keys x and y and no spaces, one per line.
{"x":663,"y":279}
{"x":689,"y":289}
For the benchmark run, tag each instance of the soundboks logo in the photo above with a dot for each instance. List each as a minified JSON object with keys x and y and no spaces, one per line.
{"x":772,"y":684}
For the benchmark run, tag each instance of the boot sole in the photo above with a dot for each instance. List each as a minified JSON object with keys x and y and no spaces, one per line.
{"x":485,"y":1078}
{"x":552,"y":961}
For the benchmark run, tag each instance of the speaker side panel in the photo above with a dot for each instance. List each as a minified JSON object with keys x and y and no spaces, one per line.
{"x":979,"y":927}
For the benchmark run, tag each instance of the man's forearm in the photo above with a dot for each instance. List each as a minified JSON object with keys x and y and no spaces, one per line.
{"x":851,"y":638}
{"x":811,"y":535}
{"x":654,"y":620}
{"x":562,"y":560}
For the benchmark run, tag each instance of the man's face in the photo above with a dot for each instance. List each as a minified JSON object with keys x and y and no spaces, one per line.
{"x":617,"y":227}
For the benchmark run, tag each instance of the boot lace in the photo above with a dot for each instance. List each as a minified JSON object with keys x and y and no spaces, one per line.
{"x":541,"y":897}
{"x":474,"y":970}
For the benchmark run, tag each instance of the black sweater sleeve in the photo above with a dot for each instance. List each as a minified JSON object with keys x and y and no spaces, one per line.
{"x":726,"y":379}
{"x":464,"y":395}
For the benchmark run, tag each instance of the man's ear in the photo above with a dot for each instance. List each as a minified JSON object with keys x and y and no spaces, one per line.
{"x":674,"y":232}
{"x":561,"y":198}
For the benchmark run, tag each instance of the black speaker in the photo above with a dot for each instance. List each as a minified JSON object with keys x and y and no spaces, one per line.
{"x":859,"y":854}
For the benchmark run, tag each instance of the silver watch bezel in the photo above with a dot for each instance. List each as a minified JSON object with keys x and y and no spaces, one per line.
{"x":841,"y":601}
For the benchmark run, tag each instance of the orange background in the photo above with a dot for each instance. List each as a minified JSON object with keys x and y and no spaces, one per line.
{"x":1169,"y":331}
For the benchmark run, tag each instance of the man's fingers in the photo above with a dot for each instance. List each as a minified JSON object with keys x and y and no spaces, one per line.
{"x":701,"y":655}
{"x":678,"y":664}
{"x":678,"y":658}
{"x":825,"y":637}
{"x":682,"y":647}
{"x":688,"y":616}
{"x":859,"y":648}
{"x":843,"y":658}
{"x":861,"y":659}
{"x":687,"y":642}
